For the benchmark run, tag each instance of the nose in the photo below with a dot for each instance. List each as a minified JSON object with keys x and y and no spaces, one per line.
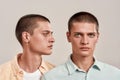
{"x":52,"y":40}
{"x":84,"y":40}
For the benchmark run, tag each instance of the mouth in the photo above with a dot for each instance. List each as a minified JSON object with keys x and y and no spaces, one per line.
{"x":51,"y":46}
{"x":84,"y":48}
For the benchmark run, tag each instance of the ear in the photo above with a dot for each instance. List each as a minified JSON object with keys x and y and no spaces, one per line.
{"x":25,"y":37}
{"x":97,"y":37}
{"x":68,"y":36}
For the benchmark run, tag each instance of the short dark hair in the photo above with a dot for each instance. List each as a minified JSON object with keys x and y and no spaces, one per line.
{"x":27,"y":23}
{"x":83,"y":17}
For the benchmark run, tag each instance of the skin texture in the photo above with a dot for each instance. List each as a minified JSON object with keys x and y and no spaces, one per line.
{"x":83,"y":38}
{"x":41,"y":41}
{"x":35,"y":45}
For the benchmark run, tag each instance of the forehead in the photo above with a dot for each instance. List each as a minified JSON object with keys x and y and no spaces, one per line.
{"x":44,"y":25}
{"x":83,"y":27}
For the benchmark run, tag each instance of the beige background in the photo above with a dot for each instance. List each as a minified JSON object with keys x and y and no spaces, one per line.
{"x":59,"y":11}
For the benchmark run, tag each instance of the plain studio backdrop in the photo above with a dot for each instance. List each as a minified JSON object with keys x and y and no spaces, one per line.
{"x":59,"y":11}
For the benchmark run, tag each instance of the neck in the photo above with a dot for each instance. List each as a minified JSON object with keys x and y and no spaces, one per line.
{"x":29,"y":63}
{"x":83,"y":63}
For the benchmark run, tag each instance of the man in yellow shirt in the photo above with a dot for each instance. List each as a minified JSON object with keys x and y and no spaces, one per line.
{"x":34,"y":33}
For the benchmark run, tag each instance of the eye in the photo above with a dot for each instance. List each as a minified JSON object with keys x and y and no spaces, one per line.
{"x":77,"y":35}
{"x":45,"y":34}
{"x":91,"y":35}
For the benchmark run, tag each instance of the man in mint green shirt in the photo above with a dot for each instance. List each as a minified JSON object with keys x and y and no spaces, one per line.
{"x":83,"y":33}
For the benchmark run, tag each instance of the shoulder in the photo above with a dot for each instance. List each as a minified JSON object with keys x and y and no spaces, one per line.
{"x":59,"y":69}
{"x":5,"y":70}
{"x":5,"y":66}
{"x":49,"y":65}
{"x":57,"y":72}
{"x":110,"y":68}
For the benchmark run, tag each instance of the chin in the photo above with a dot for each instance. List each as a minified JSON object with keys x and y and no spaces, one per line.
{"x":48,"y":53}
{"x":85,"y":54}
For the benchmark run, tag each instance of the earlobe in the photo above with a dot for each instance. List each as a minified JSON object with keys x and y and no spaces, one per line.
{"x":68,"y":36}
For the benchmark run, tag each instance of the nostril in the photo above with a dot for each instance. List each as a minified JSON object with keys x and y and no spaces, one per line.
{"x":84,"y":41}
{"x":52,"y":40}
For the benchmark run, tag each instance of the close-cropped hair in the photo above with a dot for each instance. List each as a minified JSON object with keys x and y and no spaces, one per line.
{"x":83,"y":17}
{"x":28,"y":23}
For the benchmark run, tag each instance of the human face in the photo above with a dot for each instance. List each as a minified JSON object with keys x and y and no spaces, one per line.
{"x":83,"y":37}
{"x":41,"y":41}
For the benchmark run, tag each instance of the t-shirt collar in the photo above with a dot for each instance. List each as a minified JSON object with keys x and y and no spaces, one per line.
{"x":72,"y":67}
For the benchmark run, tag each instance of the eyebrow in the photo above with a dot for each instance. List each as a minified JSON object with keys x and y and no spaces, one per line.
{"x":47,"y":31}
{"x":87,"y":32}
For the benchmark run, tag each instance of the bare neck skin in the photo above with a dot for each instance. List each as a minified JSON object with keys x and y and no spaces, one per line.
{"x":29,"y":62}
{"x":83,"y":63}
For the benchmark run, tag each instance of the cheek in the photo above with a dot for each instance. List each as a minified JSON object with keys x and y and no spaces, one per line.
{"x":35,"y":40}
{"x":41,"y":42}
{"x":75,"y":42}
{"x":93,"y":43}
{"x":39,"y":38}
{"x":37,"y":44}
